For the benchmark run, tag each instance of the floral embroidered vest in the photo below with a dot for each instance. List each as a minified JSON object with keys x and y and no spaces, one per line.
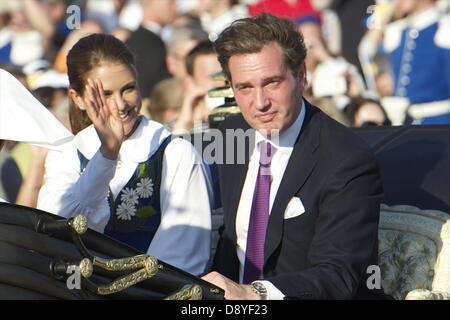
{"x":136,"y":212}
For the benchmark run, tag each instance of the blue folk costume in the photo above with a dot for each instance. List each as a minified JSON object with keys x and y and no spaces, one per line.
{"x":156,"y":196}
{"x":419,"y":51}
{"x":142,"y":194}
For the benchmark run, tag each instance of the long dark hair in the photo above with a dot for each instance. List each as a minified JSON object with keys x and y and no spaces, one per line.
{"x":88,"y":53}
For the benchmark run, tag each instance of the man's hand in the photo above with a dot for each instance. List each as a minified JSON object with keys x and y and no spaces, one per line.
{"x":193,"y":98}
{"x":233,"y":290}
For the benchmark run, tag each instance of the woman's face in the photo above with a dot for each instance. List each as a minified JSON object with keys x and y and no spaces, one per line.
{"x":120,"y":84}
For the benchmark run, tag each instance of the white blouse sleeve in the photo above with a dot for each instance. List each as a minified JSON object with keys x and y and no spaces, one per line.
{"x":67,"y":193}
{"x":183,"y":238}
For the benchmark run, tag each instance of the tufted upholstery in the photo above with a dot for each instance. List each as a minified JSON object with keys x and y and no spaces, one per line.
{"x":414,"y":252}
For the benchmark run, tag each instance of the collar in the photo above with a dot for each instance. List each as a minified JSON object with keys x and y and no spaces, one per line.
{"x":424,"y":18}
{"x":137,"y":148}
{"x":152,"y":26}
{"x":286,"y":141}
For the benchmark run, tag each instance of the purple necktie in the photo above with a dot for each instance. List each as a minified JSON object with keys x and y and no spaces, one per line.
{"x":259,"y":217}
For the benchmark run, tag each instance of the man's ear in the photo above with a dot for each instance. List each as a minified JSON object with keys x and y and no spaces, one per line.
{"x":302,"y":72}
{"x":77,"y":99}
{"x":170,"y":62}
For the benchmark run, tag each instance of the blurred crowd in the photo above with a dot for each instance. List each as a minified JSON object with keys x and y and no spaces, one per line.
{"x":369,"y":62}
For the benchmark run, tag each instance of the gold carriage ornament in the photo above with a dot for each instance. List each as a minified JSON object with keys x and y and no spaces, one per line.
{"x":229,"y":107}
{"x":45,"y":248}
{"x":142,"y":267}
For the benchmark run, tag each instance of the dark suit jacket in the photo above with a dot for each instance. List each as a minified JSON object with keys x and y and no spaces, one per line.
{"x":324,"y":252}
{"x":150,"y":54}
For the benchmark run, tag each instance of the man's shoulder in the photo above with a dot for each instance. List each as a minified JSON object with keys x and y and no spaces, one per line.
{"x":141,"y":35}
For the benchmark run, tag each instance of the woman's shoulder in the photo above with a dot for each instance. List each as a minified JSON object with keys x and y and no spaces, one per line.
{"x":179,"y":144}
{"x":86,"y":141}
{"x":183,"y":151}
{"x":152,"y":125}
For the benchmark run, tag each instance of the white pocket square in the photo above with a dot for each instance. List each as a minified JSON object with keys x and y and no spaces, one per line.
{"x":294,"y":208}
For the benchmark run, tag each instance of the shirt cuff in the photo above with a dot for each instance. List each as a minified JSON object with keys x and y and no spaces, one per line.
{"x":272,"y":292}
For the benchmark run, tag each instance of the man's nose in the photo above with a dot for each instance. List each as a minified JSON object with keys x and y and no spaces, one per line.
{"x":261,"y":100}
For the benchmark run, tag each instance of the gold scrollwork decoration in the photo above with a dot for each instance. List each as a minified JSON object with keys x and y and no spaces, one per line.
{"x":86,"y":268}
{"x":150,"y":268}
{"x":214,"y":291}
{"x":221,"y":92}
{"x":129,"y":263}
{"x":79,"y":224}
{"x":219,"y":76}
{"x":188,"y":292}
{"x":229,"y":110}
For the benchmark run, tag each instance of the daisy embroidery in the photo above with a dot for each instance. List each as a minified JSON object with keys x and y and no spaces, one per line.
{"x":145,"y":187}
{"x":129,"y":196}
{"x":125,"y":211}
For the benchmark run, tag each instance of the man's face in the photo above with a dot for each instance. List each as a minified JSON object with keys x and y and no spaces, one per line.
{"x":265,"y":89}
{"x":206,"y":5}
{"x":205,"y":66}
{"x":176,"y":60}
{"x":164,"y":11}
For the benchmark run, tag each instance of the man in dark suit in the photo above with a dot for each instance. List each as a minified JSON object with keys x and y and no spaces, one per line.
{"x":147,"y":45}
{"x":322,"y":203}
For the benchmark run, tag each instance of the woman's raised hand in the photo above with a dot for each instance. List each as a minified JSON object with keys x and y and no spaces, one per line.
{"x":104,"y":115}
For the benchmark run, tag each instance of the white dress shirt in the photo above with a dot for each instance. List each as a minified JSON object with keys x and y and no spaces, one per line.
{"x":281,"y":152}
{"x":183,"y":237}
{"x":153,"y":27}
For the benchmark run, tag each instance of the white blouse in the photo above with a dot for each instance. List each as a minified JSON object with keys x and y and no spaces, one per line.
{"x":183,"y":237}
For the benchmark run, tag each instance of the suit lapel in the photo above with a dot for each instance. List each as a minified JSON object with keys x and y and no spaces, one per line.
{"x":299,"y":167}
{"x":236,"y":175}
